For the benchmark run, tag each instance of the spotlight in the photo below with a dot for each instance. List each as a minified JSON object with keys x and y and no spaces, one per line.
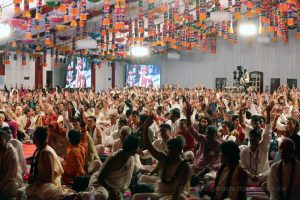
{"x":5,"y":30}
{"x":139,"y":51}
{"x":247,"y":29}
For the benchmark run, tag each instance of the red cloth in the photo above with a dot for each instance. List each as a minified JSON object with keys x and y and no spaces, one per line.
{"x":14,"y":125}
{"x":241,"y":135}
{"x":58,"y":130}
{"x":189,"y":140}
{"x":49,"y":118}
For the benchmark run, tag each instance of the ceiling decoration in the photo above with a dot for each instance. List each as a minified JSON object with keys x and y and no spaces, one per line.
{"x":107,"y":29}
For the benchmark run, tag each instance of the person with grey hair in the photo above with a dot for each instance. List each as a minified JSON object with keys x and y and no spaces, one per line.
{"x":283,"y":181}
{"x":125,"y":131}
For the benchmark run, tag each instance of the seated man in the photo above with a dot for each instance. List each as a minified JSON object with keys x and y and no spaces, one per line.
{"x":283,"y":181}
{"x":160,"y":145}
{"x":10,"y":176}
{"x":114,"y":177}
{"x":73,"y":165}
{"x":175,"y":170}
{"x":116,"y":134}
{"x":189,"y":140}
{"x":95,"y":132}
{"x":254,"y":158}
{"x":118,"y":144}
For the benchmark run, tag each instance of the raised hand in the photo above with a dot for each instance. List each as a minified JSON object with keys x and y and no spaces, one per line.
{"x":188,"y":110}
{"x":149,"y":121}
{"x":270,"y":106}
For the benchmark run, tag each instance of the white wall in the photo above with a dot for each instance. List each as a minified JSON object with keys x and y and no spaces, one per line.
{"x":59,"y":74}
{"x":103,"y":73}
{"x":275,"y":60}
{"x":15,"y":72}
{"x":120,"y":74}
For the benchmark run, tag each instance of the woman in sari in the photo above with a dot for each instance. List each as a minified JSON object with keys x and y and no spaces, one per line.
{"x":57,"y":139}
{"x":231,"y":179}
{"x":46,"y":170}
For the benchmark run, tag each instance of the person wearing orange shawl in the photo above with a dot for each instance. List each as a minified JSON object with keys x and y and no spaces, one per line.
{"x":86,"y":142}
{"x":73,"y":165}
{"x":57,"y":139}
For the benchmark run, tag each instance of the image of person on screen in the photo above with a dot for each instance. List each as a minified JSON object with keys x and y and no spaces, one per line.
{"x":145,"y":79}
{"x":130,"y":79}
{"x":69,"y":77}
{"x":80,"y":76}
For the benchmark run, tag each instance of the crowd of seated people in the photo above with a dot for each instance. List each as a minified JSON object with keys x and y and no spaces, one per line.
{"x":155,"y":143}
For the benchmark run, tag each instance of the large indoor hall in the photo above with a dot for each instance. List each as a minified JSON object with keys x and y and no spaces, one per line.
{"x":149,"y":100}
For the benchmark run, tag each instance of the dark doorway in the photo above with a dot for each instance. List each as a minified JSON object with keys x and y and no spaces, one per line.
{"x":220,"y":83}
{"x":275,"y":83}
{"x":291,"y":83}
{"x":49,"y":79}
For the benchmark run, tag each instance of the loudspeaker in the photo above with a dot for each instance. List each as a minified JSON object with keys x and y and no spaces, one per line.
{"x":240,"y":68}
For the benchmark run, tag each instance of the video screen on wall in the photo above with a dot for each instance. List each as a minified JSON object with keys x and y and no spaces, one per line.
{"x":143,"y":75}
{"x":78,"y":73}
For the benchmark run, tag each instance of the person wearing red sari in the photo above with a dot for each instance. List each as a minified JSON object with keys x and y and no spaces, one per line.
{"x":50,"y":116}
{"x":57,"y":139}
{"x":73,"y":165}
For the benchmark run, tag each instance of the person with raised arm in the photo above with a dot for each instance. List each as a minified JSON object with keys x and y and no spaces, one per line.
{"x":174,"y":170}
{"x":207,"y":155}
{"x":254,"y":158}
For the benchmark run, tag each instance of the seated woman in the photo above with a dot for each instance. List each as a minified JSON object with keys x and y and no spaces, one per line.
{"x":174,"y":171}
{"x":73,"y":165}
{"x":46,"y":170}
{"x":57,"y":139}
{"x":10,"y":176}
{"x":227,"y":132}
{"x":231,"y":178}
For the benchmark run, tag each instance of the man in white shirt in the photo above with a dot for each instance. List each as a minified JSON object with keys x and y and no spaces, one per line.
{"x":174,"y":123}
{"x":283,"y":181}
{"x":254,"y":158}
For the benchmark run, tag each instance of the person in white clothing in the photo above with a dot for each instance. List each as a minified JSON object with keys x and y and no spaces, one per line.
{"x":18,"y":146}
{"x":95,"y":132}
{"x":254,"y":158}
{"x":283,"y":181}
{"x":115,"y":175}
{"x":10,"y":176}
{"x":175,"y":116}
